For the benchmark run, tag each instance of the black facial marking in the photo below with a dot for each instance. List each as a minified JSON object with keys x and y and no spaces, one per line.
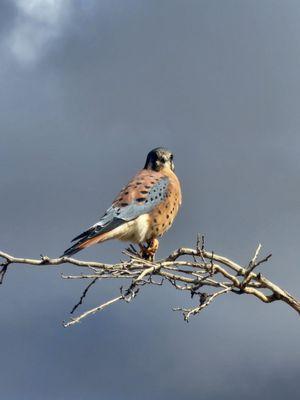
{"x":158,"y":158}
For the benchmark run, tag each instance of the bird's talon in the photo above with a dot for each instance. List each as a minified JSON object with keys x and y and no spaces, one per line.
{"x":148,"y":252}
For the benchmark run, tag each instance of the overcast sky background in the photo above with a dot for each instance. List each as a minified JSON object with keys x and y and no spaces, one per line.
{"x":87,"y":89}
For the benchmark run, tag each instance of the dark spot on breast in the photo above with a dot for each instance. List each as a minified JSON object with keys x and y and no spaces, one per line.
{"x":152,"y":182}
{"x":124,"y":204}
{"x":126,"y":192}
{"x":168,"y":216}
{"x":159,"y":211}
{"x":163,"y":225}
{"x":140,"y":199}
{"x":147,"y":186}
{"x":157,"y":230}
{"x":151,"y":199}
{"x":155,"y":220}
{"x":139,"y":183}
{"x":143,"y":192}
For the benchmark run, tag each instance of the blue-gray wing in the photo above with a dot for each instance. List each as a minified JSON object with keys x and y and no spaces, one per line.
{"x":122,"y":211}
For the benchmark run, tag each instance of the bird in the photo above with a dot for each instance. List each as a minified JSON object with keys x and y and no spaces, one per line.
{"x":143,"y":210}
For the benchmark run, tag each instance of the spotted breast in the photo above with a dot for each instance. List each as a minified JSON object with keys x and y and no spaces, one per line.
{"x":157,"y":192}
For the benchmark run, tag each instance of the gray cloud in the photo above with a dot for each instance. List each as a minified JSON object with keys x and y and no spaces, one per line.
{"x":37,"y":22}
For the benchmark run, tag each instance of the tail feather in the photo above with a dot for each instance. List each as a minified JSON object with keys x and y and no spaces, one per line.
{"x":71,"y":250}
{"x":96,"y":234}
{"x":82,"y":235}
{"x":83,"y":244}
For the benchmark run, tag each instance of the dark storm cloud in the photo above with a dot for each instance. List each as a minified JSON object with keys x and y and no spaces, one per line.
{"x":7,"y":15}
{"x":217,"y":82}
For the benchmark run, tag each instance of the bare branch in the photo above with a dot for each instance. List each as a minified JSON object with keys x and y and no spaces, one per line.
{"x":3,"y":272}
{"x":83,"y":295}
{"x":205,"y":300}
{"x":253,"y":264}
{"x":92,"y":311}
{"x":203,"y":274}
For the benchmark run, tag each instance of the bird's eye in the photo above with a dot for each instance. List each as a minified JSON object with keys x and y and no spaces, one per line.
{"x":171,"y":157}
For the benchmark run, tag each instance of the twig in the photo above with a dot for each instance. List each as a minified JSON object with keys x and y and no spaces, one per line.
{"x":83,"y":295}
{"x":92,"y":311}
{"x":188,"y":312}
{"x":3,"y":272}
{"x":203,"y":274}
{"x":253,"y":264}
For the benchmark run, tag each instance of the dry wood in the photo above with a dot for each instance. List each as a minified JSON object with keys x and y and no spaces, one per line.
{"x":204,"y":274}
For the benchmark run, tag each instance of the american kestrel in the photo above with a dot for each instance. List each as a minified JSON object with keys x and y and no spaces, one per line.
{"x":144,"y":209}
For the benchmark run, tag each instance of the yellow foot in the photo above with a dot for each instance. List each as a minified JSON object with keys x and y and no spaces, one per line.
{"x":149,"y":251}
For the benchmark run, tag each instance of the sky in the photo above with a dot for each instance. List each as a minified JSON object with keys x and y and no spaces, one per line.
{"x":88,"y":88}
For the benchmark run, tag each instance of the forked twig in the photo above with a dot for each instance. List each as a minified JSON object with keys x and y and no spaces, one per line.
{"x":203,"y":274}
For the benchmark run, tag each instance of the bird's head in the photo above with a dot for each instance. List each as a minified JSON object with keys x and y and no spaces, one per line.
{"x":159,"y":159}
